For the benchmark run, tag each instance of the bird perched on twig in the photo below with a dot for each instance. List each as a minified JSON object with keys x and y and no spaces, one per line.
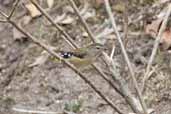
{"x":82,"y":57}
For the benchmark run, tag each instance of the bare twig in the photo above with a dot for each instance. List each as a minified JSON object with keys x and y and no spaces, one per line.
{"x":83,"y":21}
{"x":110,"y":82}
{"x":156,"y":44}
{"x":113,"y":51}
{"x":3,"y":14}
{"x":125,"y":17}
{"x":3,"y":21}
{"x":33,"y":111}
{"x":148,"y":76}
{"x":14,"y":7}
{"x":122,"y":84}
{"x":108,"y":8}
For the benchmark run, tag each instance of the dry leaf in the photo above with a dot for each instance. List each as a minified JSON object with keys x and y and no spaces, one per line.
{"x":34,"y":12}
{"x":153,"y":28}
{"x":98,"y":3}
{"x":120,"y":7}
{"x":50,"y":3}
{"x":26,"y":20}
{"x":67,"y":20}
{"x":40,"y":60}
{"x":68,"y":9}
{"x":64,"y":19}
{"x":166,"y":39}
{"x":58,"y":19}
{"x":87,"y":12}
{"x":17,"y":35}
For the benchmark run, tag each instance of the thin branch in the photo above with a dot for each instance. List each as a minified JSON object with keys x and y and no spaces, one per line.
{"x":3,"y":21}
{"x":156,"y":44}
{"x":147,"y":77}
{"x":83,"y":21}
{"x":109,"y":11}
{"x":122,"y":84}
{"x":3,"y":14}
{"x":14,"y":7}
{"x":113,"y":51}
{"x":33,"y":111}
{"x":66,"y":37}
{"x":125,"y":17}
{"x":110,"y":82}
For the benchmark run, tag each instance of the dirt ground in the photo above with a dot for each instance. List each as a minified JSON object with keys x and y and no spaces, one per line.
{"x":52,"y":86}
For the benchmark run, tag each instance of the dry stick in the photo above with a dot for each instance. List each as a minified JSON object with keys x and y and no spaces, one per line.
{"x":129,"y":97}
{"x":3,"y":21}
{"x":51,"y":52}
{"x":33,"y":111}
{"x":131,"y":100}
{"x":53,"y":24}
{"x":14,"y":7}
{"x":117,"y":89}
{"x":125,"y":16}
{"x":83,"y":21}
{"x":156,"y":44}
{"x":113,"y":51}
{"x":126,"y":94}
{"x":108,"y":8}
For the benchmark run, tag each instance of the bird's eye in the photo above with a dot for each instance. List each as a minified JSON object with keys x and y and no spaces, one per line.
{"x":97,"y":47}
{"x":66,"y":55}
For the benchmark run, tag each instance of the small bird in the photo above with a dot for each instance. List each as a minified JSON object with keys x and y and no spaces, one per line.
{"x":83,"y":56}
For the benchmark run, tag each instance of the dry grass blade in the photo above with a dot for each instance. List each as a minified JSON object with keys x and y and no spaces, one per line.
{"x":156,"y":44}
{"x":131,"y":100}
{"x":108,"y":8}
{"x":13,"y":10}
{"x":113,"y":51}
{"x":33,"y":111}
{"x":3,"y":21}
